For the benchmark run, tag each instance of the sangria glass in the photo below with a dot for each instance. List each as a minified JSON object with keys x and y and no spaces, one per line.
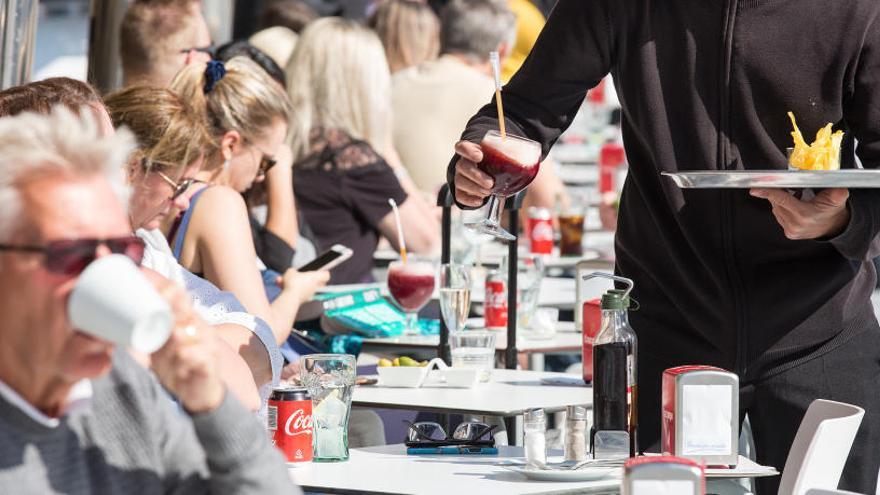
{"x":411,"y":285}
{"x":513,"y":162}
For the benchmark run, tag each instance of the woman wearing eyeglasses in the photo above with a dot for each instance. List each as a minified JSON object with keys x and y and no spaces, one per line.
{"x":247,"y":114}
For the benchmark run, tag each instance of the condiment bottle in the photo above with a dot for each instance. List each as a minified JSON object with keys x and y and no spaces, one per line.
{"x":615,"y":397}
{"x":534,"y":431}
{"x":575,"y":433}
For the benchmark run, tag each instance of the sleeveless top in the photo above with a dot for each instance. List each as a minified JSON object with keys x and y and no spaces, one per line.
{"x":177,"y":234}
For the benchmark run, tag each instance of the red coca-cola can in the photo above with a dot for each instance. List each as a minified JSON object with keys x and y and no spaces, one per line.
{"x":290,"y":422}
{"x":495,"y":305}
{"x":611,"y":157}
{"x":539,"y":228}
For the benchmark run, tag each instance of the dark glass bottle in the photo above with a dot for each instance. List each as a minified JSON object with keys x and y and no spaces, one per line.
{"x":615,"y":392}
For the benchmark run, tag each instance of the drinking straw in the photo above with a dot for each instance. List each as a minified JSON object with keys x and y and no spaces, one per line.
{"x":496,"y":69}
{"x":399,"y":229}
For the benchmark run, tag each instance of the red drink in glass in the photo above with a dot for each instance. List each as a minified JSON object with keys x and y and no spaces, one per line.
{"x":410,"y":289}
{"x":510,"y":176}
{"x":513,"y":162}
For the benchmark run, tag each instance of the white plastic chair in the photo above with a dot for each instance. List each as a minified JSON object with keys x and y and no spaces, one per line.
{"x":820,"y":448}
{"x":818,"y":453}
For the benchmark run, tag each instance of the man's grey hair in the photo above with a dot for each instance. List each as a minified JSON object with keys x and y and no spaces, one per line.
{"x":62,"y":144}
{"x":474,"y":28}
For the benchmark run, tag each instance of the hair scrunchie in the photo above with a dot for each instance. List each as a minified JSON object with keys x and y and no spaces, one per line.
{"x":213,"y":73}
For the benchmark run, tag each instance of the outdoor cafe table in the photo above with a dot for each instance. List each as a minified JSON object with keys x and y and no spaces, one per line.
{"x":555,"y":292}
{"x":495,"y":251}
{"x":388,"y":470}
{"x":564,"y":340}
{"x":509,"y":393}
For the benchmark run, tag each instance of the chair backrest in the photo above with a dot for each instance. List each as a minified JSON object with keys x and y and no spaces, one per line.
{"x":822,"y":491}
{"x":820,"y":448}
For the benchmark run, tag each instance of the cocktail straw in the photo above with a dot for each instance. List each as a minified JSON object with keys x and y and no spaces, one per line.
{"x":399,"y":229}
{"x":496,"y":69}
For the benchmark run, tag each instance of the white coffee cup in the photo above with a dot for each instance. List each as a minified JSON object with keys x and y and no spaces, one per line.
{"x":113,"y":301}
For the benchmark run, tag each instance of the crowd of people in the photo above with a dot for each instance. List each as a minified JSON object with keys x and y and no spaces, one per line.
{"x":210,"y":168}
{"x":215,"y":168}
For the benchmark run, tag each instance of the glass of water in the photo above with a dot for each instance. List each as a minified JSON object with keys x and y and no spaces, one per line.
{"x":455,"y":295}
{"x":330,"y":379}
{"x":473,"y":349}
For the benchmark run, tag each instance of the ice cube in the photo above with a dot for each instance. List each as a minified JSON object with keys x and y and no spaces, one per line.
{"x":330,"y":442}
{"x":331,"y":411}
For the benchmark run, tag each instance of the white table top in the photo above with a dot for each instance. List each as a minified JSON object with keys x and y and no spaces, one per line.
{"x":388,"y":470}
{"x":493,"y":252}
{"x":556,"y":292}
{"x":565,"y":339}
{"x":509,"y":393}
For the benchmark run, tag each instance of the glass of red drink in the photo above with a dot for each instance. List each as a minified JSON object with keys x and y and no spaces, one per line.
{"x":513,"y":162}
{"x":411,"y":285}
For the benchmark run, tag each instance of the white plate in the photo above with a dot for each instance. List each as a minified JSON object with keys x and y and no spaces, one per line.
{"x":585,"y":474}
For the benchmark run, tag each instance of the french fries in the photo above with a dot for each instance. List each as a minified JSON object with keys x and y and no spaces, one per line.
{"x":822,"y":154}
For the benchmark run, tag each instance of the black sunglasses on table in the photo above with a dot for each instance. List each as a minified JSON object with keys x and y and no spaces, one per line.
{"x":71,"y":257}
{"x":430,"y":434}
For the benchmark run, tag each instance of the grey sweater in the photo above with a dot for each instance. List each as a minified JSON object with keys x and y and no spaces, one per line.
{"x":132,"y":439}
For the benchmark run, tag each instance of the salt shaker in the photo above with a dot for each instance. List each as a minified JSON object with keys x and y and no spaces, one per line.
{"x":575,"y":433}
{"x":534,"y":430}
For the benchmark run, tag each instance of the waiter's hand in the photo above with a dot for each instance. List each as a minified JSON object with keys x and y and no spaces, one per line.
{"x":826,"y":215}
{"x":472,"y":186}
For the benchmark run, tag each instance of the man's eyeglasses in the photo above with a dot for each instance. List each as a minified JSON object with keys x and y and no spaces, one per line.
{"x":209,"y":49}
{"x":467,"y":433}
{"x":71,"y":257}
{"x":178,"y":187}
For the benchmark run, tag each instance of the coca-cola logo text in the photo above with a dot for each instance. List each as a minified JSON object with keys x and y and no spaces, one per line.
{"x":298,"y":424}
{"x":542,"y":232}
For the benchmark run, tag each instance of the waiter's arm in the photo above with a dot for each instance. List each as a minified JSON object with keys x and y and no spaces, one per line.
{"x":573,"y":53}
{"x":849,"y":220}
{"x":859,"y":241}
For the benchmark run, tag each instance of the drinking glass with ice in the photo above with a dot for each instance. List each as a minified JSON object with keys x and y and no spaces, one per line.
{"x":330,"y":379}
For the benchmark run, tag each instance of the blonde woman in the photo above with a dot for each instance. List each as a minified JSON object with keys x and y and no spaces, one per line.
{"x":409,"y":31}
{"x":339,"y":83}
{"x":247,"y":113}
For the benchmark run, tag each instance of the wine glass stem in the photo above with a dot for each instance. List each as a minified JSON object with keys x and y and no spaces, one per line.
{"x":496,"y":204}
{"x":412,"y":323}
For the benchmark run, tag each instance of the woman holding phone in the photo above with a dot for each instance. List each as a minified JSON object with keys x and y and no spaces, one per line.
{"x":248,"y":114}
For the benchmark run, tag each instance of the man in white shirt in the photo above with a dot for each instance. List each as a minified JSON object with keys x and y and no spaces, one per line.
{"x":434,"y":100}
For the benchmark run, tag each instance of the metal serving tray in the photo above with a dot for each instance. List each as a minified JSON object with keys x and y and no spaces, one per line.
{"x":778,"y":179}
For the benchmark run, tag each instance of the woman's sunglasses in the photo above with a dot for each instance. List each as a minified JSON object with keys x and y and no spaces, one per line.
{"x":178,"y":187}
{"x":71,"y":257}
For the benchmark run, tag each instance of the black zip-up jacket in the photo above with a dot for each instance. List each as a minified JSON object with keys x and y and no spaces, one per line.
{"x":706,"y":84}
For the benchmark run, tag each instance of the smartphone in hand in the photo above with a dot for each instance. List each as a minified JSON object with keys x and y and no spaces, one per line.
{"x":328,"y":259}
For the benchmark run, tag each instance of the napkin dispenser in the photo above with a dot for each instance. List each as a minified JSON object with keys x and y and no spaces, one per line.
{"x":700,"y":408}
{"x":668,"y":475}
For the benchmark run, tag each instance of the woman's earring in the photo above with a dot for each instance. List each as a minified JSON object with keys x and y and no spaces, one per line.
{"x":226,"y":166}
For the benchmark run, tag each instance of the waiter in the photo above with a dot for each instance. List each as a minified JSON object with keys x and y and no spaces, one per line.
{"x":773,"y":287}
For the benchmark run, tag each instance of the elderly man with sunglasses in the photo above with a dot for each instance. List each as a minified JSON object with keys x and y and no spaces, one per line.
{"x":76,"y":415}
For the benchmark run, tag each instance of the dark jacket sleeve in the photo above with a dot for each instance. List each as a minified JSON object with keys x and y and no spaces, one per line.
{"x":274,"y":251}
{"x":573,"y":53}
{"x":859,"y":241}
